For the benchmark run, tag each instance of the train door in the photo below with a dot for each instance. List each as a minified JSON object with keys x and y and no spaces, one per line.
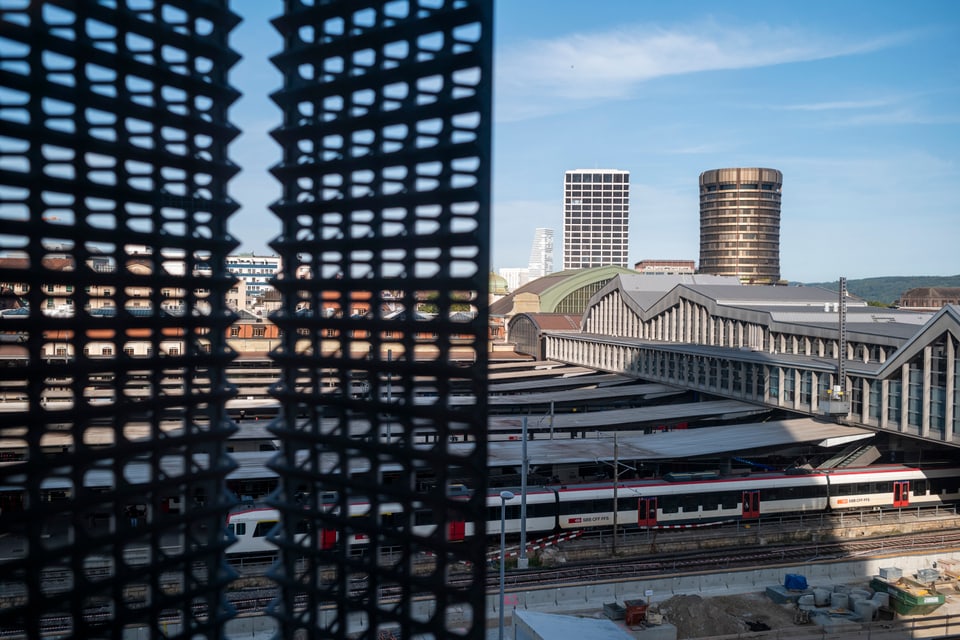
{"x":751,"y":504}
{"x":456,"y":523}
{"x":456,"y":530}
{"x":901,"y":493}
{"x":328,"y":538}
{"x":647,"y":512}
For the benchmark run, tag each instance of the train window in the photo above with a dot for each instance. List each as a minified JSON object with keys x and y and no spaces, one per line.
{"x":422,"y":517}
{"x":948,"y":485}
{"x":669,"y":504}
{"x":690,"y":503}
{"x":729,"y":500}
{"x":882,"y":487}
{"x":789,"y":493}
{"x":539,"y":510}
{"x":845,"y":490}
{"x":302,"y":526}
{"x":771,"y":494}
{"x":600,"y":506}
{"x":238,"y":528}
{"x":263,"y":528}
{"x":862,"y":488}
{"x":919,"y":487}
{"x":390,"y":520}
{"x":627,"y":504}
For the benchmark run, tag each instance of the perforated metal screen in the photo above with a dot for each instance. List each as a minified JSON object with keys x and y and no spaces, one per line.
{"x":385,"y":209}
{"x":113,"y":204}
{"x":114,"y":210}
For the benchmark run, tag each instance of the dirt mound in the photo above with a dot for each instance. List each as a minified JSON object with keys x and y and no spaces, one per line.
{"x":697,"y":617}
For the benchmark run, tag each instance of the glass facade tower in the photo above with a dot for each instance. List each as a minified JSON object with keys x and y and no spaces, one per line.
{"x":740,"y":224}
{"x":541,"y":254}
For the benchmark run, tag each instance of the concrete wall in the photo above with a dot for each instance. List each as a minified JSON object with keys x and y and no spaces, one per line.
{"x":572,"y":598}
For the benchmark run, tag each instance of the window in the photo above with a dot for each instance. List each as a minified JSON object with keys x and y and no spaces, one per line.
{"x":259,"y":332}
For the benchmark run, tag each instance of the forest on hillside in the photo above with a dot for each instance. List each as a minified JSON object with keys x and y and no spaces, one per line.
{"x":887,"y":289}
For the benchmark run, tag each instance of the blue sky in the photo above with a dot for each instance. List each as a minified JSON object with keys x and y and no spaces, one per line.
{"x":857,"y":103}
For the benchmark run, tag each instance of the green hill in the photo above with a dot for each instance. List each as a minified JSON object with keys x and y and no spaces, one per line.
{"x":888,"y":289}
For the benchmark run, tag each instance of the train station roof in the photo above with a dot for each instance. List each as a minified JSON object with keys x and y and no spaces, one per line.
{"x":584,"y":395}
{"x":683,"y":443}
{"x":621,"y":419}
{"x":518,"y":383}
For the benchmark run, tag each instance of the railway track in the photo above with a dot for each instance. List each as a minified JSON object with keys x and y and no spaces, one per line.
{"x":726,"y":560}
{"x":254,"y":601}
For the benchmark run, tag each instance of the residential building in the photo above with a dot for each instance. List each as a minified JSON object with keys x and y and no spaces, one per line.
{"x":929,"y":298}
{"x":596,"y":212}
{"x":255,"y":272}
{"x":740,"y":224}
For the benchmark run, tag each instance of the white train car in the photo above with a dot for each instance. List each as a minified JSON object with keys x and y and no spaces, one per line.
{"x":250,"y":528}
{"x":685,"y":502}
{"x":893,"y":486}
{"x":678,"y":500}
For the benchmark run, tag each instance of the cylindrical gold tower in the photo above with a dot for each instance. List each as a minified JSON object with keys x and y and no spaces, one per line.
{"x":740,"y":223}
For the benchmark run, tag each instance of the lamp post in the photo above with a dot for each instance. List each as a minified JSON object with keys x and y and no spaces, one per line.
{"x":389,"y":393}
{"x":522,"y":560}
{"x":504,"y":496}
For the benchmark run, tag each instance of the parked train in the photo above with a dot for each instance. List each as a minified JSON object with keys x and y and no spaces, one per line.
{"x":672,"y":501}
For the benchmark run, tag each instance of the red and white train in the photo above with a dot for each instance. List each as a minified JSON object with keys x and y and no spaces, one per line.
{"x":675,"y":500}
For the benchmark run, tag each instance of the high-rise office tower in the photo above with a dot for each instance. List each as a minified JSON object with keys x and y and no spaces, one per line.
{"x":740,"y":223}
{"x":541,"y":254}
{"x":596,"y":210}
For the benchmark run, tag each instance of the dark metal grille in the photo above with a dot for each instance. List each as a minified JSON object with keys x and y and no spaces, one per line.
{"x":113,"y":204}
{"x":385,"y":214}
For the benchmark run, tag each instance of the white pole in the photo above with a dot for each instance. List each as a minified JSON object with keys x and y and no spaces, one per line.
{"x":522,"y":560}
{"x":389,"y":395}
{"x":504,"y":496}
{"x":616,"y":477}
{"x":551,"y":419}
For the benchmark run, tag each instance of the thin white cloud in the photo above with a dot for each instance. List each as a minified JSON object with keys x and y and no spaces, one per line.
{"x":840,"y":105}
{"x":576,"y":70}
{"x":699,"y":149}
{"x":896,"y":117}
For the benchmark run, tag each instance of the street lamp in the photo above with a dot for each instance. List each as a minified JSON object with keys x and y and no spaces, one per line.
{"x":390,"y":393}
{"x":504,"y":496}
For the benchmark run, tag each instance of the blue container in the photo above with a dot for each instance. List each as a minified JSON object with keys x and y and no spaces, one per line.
{"x":795,"y":582}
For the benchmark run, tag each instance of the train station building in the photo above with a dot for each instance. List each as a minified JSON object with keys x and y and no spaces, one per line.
{"x":782,"y":347}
